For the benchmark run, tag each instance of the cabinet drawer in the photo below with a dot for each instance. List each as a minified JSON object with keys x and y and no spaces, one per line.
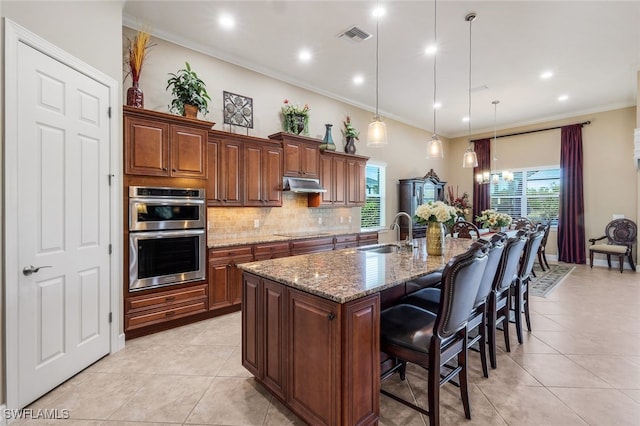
{"x":340,"y":239}
{"x":368,"y":238}
{"x":166,"y":298}
{"x":231,"y":253}
{"x":144,"y":319}
{"x":271,"y":251}
{"x":311,"y":246}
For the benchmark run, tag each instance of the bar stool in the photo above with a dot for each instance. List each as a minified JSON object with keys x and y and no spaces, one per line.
{"x":412,"y":334}
{"x":520,"y":287}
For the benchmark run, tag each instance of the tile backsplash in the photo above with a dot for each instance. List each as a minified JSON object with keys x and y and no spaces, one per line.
{"x":293,"y":216}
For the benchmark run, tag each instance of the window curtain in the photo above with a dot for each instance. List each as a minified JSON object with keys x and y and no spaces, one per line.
{"x":571,"y":234}
{"x":481,"y":192}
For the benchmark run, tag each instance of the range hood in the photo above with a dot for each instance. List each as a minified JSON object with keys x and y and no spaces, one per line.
{"x":302,"y":185}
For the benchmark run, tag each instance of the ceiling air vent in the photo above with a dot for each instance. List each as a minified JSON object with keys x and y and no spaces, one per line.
{"x":355,"y":34}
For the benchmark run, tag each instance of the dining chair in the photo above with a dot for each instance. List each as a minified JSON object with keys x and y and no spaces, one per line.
{"x":429,"y":299}
{"x":621,"y":234}
{"x":521,"y":223}
{"x":499,"y":302}
{"x":520,"y":287}
{"x":542,"y":257}
{"x":432,"y":340}
{"x":464,"y":229}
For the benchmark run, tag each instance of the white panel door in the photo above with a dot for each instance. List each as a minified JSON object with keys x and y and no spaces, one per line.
{"x":63,"y":222}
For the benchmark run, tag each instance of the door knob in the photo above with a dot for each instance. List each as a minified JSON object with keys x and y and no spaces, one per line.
{"x":33,"y":269}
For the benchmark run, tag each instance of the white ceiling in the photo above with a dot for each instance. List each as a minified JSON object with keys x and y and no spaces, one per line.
{"x":592,"y":47}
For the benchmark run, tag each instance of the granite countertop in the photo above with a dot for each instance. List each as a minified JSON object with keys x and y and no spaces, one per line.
{"x":273,"y":238}
{"x":349,"y":274}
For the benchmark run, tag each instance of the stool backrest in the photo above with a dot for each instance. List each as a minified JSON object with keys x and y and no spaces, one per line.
{"x":508,"y":267}
{"x":530,"y":252}
{"x":460,"y":282}
{"x":496,"y":249}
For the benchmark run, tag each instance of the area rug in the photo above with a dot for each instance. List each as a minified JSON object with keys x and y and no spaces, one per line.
{"x":547,"y":281}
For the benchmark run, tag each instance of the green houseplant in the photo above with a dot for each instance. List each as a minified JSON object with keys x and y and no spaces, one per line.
{"x":187,"y":89}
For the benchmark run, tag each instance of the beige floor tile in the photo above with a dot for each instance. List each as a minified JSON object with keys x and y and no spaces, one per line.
{"x":530,"y":406}
{"x":220,"y":333}
{"x":543,"y":323}
{"x":175,"y":336}
{"x":189,"y":360}
{"x":164,"y":399}
{"x":568,"y":342}
{"x":279,"y":415}
{"x":123,"y":423}
{"x":601,"y":406}
{"x":632,"y":393}
{"x":618,"y":371}
{"x":558,"y":370}
{"x":61,"y":422}
{"x":233,"y":366}
{"x":508,"y":372}
{"x":232,"y":401}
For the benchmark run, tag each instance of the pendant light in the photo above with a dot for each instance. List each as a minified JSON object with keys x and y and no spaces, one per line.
{"x":469,"y":160}
{"x":377,"y":131}
{"x":434,"y":147}
{"x":495,"y":178}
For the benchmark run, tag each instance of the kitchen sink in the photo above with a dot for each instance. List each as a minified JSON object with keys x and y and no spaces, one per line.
{"x":385,"y":249}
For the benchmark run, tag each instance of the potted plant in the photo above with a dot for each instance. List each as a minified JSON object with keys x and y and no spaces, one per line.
{"x":189,"y":93}
{"x":351,"y":135}
{"x":295,"y":119}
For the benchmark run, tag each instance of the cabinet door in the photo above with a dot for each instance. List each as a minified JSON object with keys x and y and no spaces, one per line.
{"x":235,"y":279}
{"x":146,"y":146}
{"x":272,"y":176}
{"x":252,"y":325}
{"x":274,"y":338}
{"x":339,"y":181}
{"x":230,"y":173}
{"x":356,"y":192}
{"x":314,"y":355}
{"x":310,"y":160}
{"x":213,"y":192}
{"x":326,"y":180}
{"x":188,"y":152}
{"x":253,"y":172}
{"x":220,"y":294}
{"x":292,"y":159}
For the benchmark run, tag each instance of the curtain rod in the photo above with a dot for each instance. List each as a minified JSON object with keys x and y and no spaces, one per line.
{"x":584,"y":123}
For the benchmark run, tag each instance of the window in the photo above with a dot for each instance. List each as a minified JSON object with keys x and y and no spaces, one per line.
{"x":533,"y":193}
{"x":372,"y":214}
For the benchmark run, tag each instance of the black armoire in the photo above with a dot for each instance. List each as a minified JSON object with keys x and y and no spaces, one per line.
{"x":414,"y":192}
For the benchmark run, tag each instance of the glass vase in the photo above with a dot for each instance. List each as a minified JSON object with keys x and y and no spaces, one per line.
{"x":435,"y":239}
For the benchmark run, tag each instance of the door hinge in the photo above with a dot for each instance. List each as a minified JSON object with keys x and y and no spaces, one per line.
{"x":110,"y":317}
{"x":110,"y":249}
{"x":109,"y":112}
{"x":111,"y":176}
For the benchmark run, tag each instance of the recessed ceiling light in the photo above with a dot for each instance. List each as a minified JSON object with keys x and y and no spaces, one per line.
{"x":226,"y":21}
{"x":304,"y":55}
{"x":358,"y":79}
{"x":431,"y":50}
{"x":563,"y":98}
{"x":437,"y":105}
{"x":546,"y":75}
{"x":465,"y":119}
{"x":378,"y":12}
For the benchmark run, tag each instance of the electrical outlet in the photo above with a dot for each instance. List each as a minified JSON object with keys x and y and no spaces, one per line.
{"x":319,"y":221}
{"x":341,"y":219}
{"x":349,"y":219}
{"x":256,"y":223}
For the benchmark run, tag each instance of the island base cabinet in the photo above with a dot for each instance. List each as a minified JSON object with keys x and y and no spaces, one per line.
{"x":319,"y":357}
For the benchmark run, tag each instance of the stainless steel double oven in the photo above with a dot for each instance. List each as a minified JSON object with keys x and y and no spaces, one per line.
{"x":167,"y":236}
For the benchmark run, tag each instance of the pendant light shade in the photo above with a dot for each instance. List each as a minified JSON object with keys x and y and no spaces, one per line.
{"x":434,"y":147}
{"x":470,"y":159}
{"x":377,"y":132}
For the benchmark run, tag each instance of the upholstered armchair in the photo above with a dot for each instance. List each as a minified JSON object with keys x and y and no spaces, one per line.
{"x":620,"y":234}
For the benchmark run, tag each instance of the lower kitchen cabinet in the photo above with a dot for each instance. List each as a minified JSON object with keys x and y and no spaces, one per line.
{"x":156,"y":308}
{"x":311,"y":245}
{"x":225,"y":279}
{"x":346,"y":241}
{"x":271,"y":250}
{"x":319,"y":357}
{"x":367,"y":238}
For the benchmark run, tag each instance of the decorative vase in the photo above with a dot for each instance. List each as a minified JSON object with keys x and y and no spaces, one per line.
{"x":350,"y":147}
{"x":435,"y":239}
{"x":190,"y":111}
{"x":327,"y":143}
{"x":135,"y":97}
{"x":298,"y":123}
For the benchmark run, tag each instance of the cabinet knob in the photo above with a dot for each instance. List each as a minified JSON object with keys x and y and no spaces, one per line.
{"x":331,"y":316}
{"x":170,"y":298}
{"x":174,"y":170}
{"x":170,"y":313}
{"x":164,"y":169}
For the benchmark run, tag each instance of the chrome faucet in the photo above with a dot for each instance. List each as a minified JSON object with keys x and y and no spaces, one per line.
{"x":396,"y":225}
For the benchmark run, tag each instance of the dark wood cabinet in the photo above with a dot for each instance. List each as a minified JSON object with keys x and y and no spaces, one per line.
{"x":263,"y":175}
{"x":301,"y":157}
{"x":311,"y":245}
{"x":333,"y":179}
{"x":318,"y":356}
{"x":367,"y":238}
{"x":414,"y":192}
{"x":159,"y":144}
{"x":224,"y":184}
{"x":225,"y":279}
{"x":346,"y":241}
{"x":273,"y":250}
{"x":356,"y":175}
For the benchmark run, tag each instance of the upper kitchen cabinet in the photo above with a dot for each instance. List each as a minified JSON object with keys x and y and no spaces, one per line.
{"x":224,"y":184}
{"x":263,"y":174}
{"x":159,"y":144}
{"x":301,"y":155}
{"x":356,"y":176}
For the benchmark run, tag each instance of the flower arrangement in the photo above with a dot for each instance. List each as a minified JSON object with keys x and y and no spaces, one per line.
{"x":295,"y":119}
{"x":461,"y":203}
{"x":350,"y":131}
{"x":493,"y":219}
{"x":138,"y":50}
{"x":435,"y":211}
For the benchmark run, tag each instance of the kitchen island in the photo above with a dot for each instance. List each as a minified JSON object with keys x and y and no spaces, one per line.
{"x":310,"y":326}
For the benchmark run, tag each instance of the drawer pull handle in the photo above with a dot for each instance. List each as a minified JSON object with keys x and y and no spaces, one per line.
{"x":170,"y":313}
{"x":170,"y":298}
{"x":331,"y":316}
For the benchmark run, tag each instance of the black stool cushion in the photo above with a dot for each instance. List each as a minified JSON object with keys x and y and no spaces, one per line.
{"x":407,"y":326}
{"x":427,"y":298}
{"x":430,"y":280}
